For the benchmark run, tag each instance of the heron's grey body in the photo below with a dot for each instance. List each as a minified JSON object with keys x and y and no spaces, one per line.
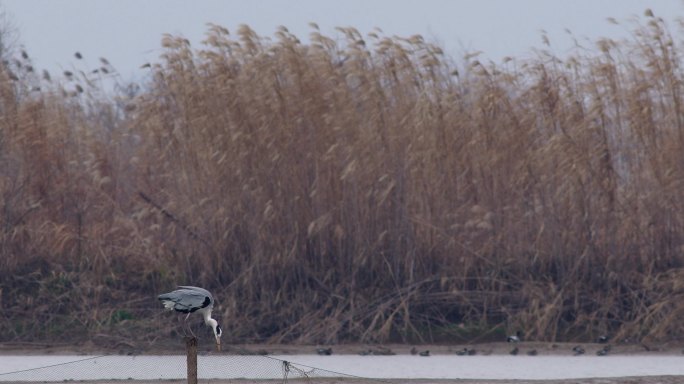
{"x":188,"y":299}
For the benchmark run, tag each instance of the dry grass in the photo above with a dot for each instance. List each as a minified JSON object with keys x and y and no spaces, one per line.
{"x":356,"y":188}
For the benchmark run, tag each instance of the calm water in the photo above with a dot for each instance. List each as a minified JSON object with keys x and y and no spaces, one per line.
{"x":59,"y":368}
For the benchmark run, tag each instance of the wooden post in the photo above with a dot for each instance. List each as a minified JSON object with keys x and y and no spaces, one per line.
{"x":191,"y":348}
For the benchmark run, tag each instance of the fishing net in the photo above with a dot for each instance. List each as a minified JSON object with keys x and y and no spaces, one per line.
{"x":167,"y":368}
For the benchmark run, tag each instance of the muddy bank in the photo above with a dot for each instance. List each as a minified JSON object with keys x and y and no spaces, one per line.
{"x":206,"y":346}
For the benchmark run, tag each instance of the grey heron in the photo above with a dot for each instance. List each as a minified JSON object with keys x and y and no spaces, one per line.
{"x":188,"y":299}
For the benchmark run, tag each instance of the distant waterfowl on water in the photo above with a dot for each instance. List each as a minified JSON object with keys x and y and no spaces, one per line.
{"x":603,"y":351}
{"x":466,"y":352}
{"x":324,"y":351}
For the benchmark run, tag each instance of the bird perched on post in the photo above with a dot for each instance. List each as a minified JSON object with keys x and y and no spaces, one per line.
{"x":187,"y":299}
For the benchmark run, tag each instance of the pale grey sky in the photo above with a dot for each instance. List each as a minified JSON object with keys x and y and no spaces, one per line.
{"x":128,"y":32}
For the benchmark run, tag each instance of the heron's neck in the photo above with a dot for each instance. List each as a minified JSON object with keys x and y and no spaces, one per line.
{"x":207,"y":317}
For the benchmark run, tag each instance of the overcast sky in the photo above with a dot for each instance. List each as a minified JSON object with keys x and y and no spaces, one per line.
{"x":128,"y":32}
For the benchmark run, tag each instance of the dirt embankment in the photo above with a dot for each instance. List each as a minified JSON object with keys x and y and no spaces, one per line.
{"x":175,"y":347}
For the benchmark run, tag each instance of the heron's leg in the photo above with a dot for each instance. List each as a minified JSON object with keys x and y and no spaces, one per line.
{"x":184,"y":327}
{"x":187,"y":325}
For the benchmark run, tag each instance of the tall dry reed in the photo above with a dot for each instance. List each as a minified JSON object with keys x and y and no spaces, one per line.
{"x":361,"y":188}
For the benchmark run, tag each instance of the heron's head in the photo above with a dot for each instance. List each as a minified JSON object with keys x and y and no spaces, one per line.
{"x":217,"y":332}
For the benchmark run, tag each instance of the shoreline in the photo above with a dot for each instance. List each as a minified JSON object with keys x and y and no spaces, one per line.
{"x":206,"y":346}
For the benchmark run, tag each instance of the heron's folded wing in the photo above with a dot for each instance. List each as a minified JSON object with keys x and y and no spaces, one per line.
{"x":197,"y":289}
{"x":186,"y":300}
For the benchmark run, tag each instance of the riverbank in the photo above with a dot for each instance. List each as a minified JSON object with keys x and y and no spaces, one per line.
{"x":167,"y":347}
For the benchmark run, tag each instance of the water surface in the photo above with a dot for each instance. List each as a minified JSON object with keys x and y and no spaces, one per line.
{"x":494,"y":367}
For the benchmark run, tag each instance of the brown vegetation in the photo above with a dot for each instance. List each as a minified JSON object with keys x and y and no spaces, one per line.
{"x":351,"y":190}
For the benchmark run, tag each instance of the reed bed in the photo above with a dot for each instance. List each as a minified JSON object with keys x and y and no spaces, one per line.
{"x":350,"y":188}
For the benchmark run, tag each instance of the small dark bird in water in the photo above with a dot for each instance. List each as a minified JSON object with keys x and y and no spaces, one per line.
{"x":424,"y":353}
{"x":514,"y":338}
{"x":324,"y":351}
{"x":603,"y":351}
{"x":602,"y":339}
{"x":532,"y":352}
{"x":514,"y":351}
{"x":414,"y":351}
{"x":466,"y":352}
{"x":578,"y":350}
